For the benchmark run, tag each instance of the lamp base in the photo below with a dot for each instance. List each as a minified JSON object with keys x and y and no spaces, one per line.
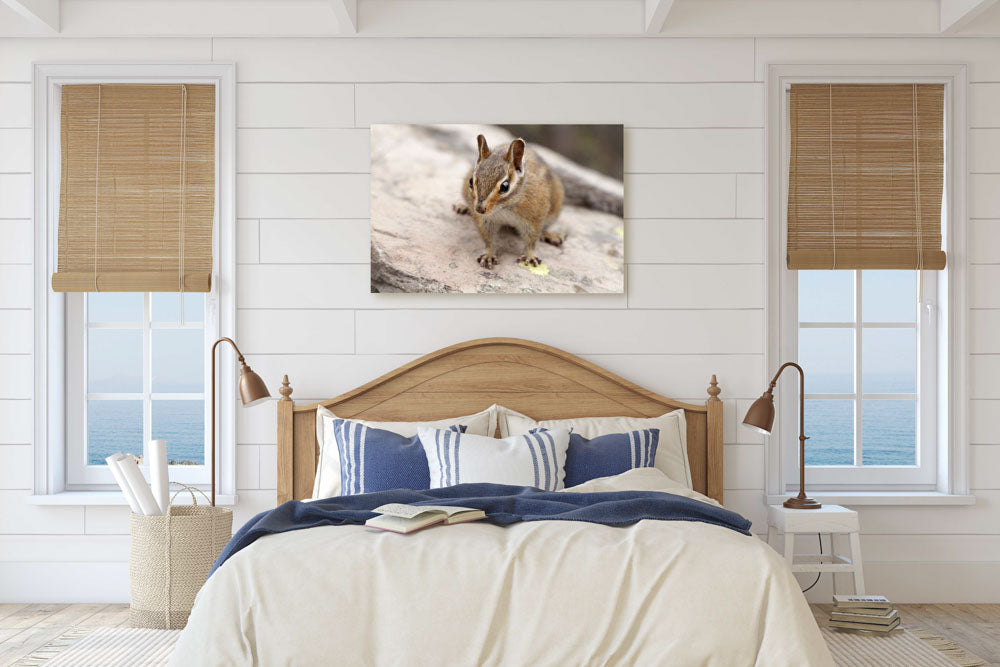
{"x":802,"y":504}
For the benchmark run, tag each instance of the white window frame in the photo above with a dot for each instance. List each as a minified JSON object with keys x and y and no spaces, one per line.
{"x":80,"y":475}
{"x":51,"y":482}
{"x":947,"y":306}
{"x":923,"y":475}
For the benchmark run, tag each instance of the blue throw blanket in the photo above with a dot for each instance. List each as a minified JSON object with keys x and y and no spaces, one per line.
{"x":502,"y":503}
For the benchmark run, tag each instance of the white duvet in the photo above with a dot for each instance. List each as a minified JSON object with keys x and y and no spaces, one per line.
{"x":539,"y":593}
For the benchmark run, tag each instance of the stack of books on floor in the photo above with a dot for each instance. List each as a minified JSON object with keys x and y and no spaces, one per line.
{"x":864,"y":613}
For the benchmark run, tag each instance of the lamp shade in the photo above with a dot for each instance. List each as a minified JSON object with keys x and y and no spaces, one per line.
{"x":760,"y":416}
{"x":252,"y":388}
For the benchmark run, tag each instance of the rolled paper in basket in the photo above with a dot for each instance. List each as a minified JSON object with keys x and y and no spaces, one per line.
{"x":158,"y":474}
{"x":122,"y":483}
{"x":136,"y":482}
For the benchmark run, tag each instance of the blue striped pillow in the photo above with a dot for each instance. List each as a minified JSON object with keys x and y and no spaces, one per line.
{"x":372,"y":459}
{"x":610,"y":454}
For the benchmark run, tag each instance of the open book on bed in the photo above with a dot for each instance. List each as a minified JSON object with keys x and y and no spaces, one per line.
{"x":402,"y":518}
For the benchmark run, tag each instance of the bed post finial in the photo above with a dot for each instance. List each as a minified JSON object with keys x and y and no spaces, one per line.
{"x":286,"y":389}
{"x":713,"y":389}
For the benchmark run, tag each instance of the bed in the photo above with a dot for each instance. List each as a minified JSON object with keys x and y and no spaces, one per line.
{"x":545,"y":592}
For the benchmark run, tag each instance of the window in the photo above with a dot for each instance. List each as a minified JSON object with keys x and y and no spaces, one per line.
{"x":136,"y":372}
{"x":861,"y":338}
{"x":883,"y":349}
{"x":115,"y":369}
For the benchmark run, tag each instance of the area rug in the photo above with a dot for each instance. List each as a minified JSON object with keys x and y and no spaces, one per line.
{"x":914,"y":647}
{"x":101,"y":647}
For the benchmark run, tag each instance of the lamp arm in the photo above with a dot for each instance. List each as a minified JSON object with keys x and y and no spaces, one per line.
{"x":783,"y":366}
{"x":239,"y":355}
{"x":802,"y":394}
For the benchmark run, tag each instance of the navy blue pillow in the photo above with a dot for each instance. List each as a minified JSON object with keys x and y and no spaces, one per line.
{"x":610,"y":454}
{"x":372,"y":459}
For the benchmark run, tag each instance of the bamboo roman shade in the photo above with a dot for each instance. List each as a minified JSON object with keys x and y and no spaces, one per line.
{"x":137,"y":193}
{"x":866,"y":176}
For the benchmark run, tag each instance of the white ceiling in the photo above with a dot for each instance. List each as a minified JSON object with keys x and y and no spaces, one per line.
{"x":424,"y":18}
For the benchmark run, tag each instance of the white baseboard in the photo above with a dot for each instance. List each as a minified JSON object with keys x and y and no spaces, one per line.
{"x":64,"y":582}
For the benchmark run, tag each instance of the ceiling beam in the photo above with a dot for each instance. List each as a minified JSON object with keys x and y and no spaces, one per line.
{"x":656,"y":15}
{"x":958,"y":14}
{"x":347,"y":14}
{"x":44,"y":13}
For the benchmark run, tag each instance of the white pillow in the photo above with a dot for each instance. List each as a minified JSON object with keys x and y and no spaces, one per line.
{"x":636,"y":479}
{"x":639,"y":479}
{"x":534,"y":459}
{"x":327,"y":482}
{"x":671,"y":452}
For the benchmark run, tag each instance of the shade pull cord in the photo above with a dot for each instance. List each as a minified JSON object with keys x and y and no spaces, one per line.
{"x":833,"y":205}
{"x":916,"y":183}
{"x":97,"y":181}
{"x":180,"y":242}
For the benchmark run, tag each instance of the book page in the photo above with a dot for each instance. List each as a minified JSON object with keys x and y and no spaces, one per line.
{"x":406,"y":511}
{"x":450,"y":511}
{"x":398,"y":524}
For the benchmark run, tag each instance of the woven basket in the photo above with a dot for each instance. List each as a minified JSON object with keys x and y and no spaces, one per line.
{"x":170,"y":559}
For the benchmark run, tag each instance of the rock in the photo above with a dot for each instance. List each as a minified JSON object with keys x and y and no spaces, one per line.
{"x":419,"y":244}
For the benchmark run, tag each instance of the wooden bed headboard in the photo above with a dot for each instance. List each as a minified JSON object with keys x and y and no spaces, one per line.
{"x":540,"y":381}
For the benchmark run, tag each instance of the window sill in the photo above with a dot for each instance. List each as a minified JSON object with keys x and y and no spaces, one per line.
{"x":849,"y":498}
{"x":112,"y":498}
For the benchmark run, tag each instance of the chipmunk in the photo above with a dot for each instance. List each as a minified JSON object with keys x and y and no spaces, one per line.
{"x":512,"y":186}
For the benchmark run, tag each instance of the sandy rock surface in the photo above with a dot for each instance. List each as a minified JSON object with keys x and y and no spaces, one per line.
{"x":418,"y":244}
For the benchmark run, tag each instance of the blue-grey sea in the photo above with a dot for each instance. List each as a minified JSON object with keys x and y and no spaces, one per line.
{"x":116,"y":426}
{"x":888,"y":432}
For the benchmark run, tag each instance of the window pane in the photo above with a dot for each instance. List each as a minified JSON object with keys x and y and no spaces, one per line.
{"x":830,"y":427}
{"x":888,"y":432}
{"x":182,"y":425}
{"x":889,"y":361}
{"x":113,"y":426}
{"x":889,"y":296}
{"x":114,"y":307}
{"x":114,"y":360}
{"x":827,"y":357}
{"x":178,"y":360}
{"x":194,"y":306}
{"x":166,"y":307}
{"x":826,"y":296}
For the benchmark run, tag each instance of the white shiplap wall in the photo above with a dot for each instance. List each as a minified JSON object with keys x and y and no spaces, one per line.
{"x":693,"y":111}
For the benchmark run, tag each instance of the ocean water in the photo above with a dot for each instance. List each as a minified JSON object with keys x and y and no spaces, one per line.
{"x":116,"y":426}
{"x":888,"y":432}
{"x":888,"y":427}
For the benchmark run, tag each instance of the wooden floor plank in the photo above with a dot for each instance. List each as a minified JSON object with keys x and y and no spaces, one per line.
{"x":30,"y":614}
{"x":990,"y":613}
{"x":111,"y":616}
{"x":8,"y":609}
{"x":74,"y":614}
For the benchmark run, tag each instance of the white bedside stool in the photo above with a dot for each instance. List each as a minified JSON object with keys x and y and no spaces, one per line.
{"x":832,"y":519}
